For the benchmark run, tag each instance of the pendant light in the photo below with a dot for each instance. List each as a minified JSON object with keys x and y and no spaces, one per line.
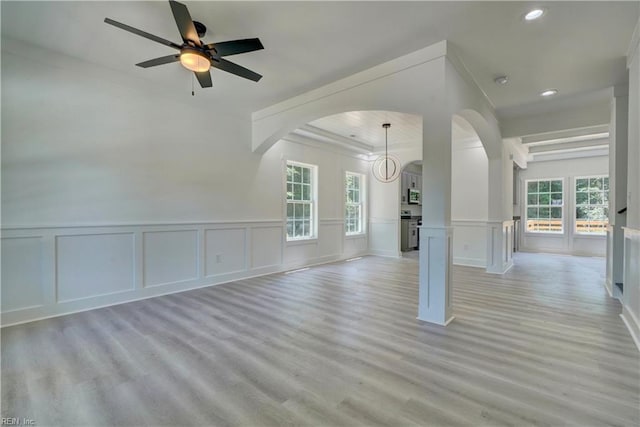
{"x":386,"y":168}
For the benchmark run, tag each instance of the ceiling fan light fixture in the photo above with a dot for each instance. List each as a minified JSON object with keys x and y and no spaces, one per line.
{"x":194,"y":60}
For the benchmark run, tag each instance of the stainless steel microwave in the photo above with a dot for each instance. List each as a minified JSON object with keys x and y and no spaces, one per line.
{"x":414,"y":196}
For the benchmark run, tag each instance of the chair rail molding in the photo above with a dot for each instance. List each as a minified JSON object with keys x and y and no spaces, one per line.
{"x":53,"y":270}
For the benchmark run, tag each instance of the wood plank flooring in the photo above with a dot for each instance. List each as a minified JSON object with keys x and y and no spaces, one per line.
{"x":338,"y":345}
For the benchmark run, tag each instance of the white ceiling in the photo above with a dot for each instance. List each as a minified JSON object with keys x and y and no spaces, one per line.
{"x":577,"y":47}
{"x":366,"y":126}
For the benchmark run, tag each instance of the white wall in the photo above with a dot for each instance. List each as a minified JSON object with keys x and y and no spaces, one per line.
{"x":469,"y":202}
{"x":112,"y":192}
{"x":566,"y":243}
{"x":631,"y":296}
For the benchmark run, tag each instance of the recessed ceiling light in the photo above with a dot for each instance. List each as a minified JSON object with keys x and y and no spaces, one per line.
{"x":549,"y":92}
{"x":501,"y":80}
{"x":534,"y":14}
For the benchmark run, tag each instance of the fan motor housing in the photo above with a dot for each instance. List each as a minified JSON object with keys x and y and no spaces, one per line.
{"x":201,"y":29}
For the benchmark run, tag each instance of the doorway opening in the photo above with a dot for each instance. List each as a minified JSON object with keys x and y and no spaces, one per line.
{"x":410,"y":209}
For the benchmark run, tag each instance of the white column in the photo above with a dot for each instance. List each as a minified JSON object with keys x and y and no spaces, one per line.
{"x":631,"y":279}
{"x":499,"y":246}
{"x":434,"y":304}
{"x":436,"y":257}
{"x":500,"y":223}
{"x":618,"y":153}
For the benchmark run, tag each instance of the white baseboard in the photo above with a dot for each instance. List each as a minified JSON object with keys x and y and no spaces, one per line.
{"x":608,"y":287}
{"x":446,"y":322}
{"x":470,"y":262}
{"x":556,"y":251}
{"x":385,"y":253}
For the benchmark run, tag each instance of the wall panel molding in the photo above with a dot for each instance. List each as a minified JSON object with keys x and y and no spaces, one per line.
{"x":23,"y":285}
{"x":64,"y":269}
{"x":170,"y":256}
{"x":93,"y":264}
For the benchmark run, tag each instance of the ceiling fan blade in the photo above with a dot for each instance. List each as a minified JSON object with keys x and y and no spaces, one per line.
{"x":230,"y":67}
{"x":184,"y":22}
{"x":235,"y":47}
{"x":204,"y":78}
{"x":141,"y":33}
{"x":159,"y":61}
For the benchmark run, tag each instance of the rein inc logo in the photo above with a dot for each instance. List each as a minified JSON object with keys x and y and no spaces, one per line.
{"x":15,"y":421}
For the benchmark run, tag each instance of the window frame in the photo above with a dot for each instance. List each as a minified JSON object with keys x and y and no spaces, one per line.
{"x":576,"y":205}
{"x":312,"y":202}
{"x":361,"y":204}
{"x":562,"y":207}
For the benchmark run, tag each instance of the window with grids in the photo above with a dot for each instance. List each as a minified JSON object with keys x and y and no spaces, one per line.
{"x":353,"y":215}
{"x":592,"y":205}
{"x":300,"y":201}
{"x":545,"y":203}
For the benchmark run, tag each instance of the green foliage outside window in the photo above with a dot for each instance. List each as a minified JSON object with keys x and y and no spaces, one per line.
{"x":544,"y":206}
{"x":592,"y":205}
{"x":299,"y":202}
{"x":353,"y":203}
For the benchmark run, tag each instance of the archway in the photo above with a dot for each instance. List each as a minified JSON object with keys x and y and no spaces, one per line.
{"x":469,"y":194}
{"x":433,"y":84}
{"x":482,"y":217}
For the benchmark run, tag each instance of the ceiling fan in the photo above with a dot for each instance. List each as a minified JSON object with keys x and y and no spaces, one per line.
{"x":194,"y":54}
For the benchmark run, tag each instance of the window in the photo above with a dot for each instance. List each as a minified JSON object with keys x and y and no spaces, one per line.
{"x":300,"y":201}
{"x":592,"y":205}
{"x":353,"y":193}
{"x":544,"y":206}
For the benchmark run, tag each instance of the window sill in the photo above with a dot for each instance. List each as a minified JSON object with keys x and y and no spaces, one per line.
{"x":544,"y":234}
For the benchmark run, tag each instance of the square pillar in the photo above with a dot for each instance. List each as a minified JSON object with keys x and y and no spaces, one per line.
{"x":499,"y":246}
{"x":436,"y":242}
{"x":436,"y":256}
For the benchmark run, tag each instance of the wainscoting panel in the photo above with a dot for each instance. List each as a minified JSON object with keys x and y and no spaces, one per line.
{"x":266,"y":246}
{"x":54,"y":270}
{"x":355,"y":246}
{"x":631,"y":293}
{"x":568,"y":243}
{"x":384,"y":237}
{"x":92,"y":265}
{"x":225,"y":251}
{"x":22,"y":284}
{"x":470,"y":243}
{"x":330,"y":238}
{"x":589,"y":245}
{"x":298,"y":253}
{"x":170,"y":257}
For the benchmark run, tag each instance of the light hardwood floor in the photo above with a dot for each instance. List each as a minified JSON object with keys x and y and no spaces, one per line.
{"x":338,"y":345}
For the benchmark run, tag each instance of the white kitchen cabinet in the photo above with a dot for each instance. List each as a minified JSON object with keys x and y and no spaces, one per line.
{"x":408,"y":235}
{"x":404,"y":177}
{"x":413,"y":234}
{"x":409,"y":180}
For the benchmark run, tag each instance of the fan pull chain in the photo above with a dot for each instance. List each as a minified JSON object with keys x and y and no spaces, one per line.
{"x":193,"y":93}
